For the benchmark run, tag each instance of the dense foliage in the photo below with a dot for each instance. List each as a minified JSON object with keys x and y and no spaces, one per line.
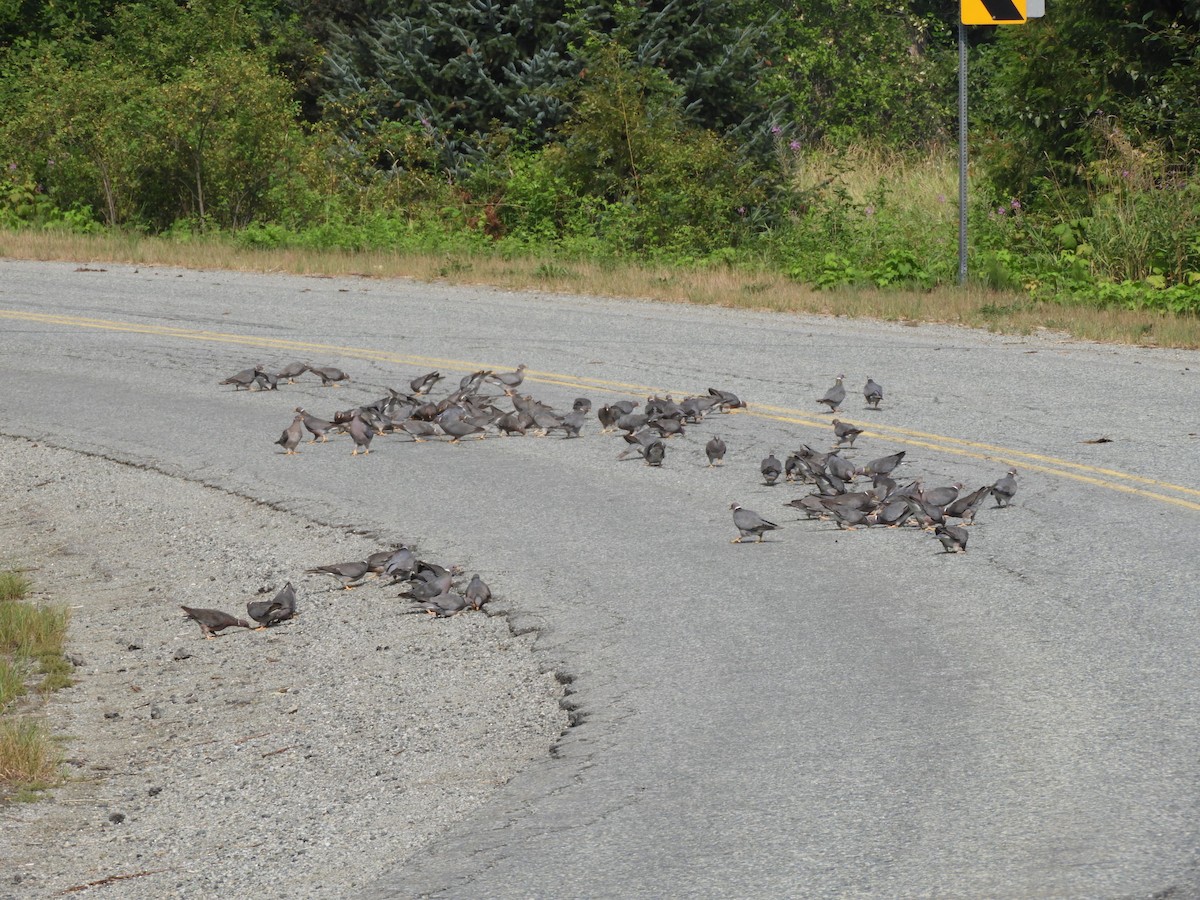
{"x":726,"y":131}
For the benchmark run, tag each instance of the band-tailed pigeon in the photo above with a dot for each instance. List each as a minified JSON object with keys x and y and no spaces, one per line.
{"x":243,"y":379}
{"x":771,"y":468}
{"x":329,"y":375}
{"x":478,"y":593}
{"x":715,"y":451}
{"x":873,"y":393}
{"x":278,"y":609}
{"x":845,"y":432}
{"x":835,"y":395}
{"x":290,"y":439}
{"x":748,"y":522}
{"x":1004,"y":488}
{"x":213,"y":621}
{"x":953,"y":538}
{"x":347,"y":573}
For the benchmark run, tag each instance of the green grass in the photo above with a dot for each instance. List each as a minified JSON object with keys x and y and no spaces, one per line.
{"x":32,"y":637}
{"x":13,"y":586}
{"x":29,"y":757}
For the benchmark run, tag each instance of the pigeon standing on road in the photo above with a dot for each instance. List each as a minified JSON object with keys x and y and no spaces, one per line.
{"x":361,"y":432}
{"x":771,"y":468}
{"x":835,"y":395}
{"x":845,"y":432}
{"x":715,"y":451}
{"x":655,"y":453}
{"x":291,"y":436}
{"x":748,"y":522}
{"x":873,"y":393}
{"x":212,"y":621}
{"x":318,"y":428}
{"x":510,"y":379}
{"x":1004,"y":488}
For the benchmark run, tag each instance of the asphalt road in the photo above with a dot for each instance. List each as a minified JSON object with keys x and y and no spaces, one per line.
{"x":828,"y":714}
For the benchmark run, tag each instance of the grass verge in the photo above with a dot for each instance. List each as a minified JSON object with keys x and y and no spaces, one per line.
{"x":973,"y":306}
{"x":32,"y":637}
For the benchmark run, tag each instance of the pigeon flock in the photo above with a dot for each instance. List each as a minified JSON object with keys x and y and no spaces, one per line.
{"x":487,"y":403}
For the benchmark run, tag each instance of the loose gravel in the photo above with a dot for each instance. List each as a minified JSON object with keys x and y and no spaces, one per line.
{"x":301,"y":761}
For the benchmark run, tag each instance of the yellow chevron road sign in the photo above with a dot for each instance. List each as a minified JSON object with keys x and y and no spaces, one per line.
{"x":993,"y":12}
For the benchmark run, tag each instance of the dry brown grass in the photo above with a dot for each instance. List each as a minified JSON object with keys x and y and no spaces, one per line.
{"x":973,"y":306}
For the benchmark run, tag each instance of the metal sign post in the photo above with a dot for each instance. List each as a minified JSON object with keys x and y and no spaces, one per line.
{"x":962,"y":153}
{"x":979,"y":12}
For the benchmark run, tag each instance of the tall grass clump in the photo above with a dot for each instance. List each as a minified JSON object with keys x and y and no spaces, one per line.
{"x":29,"y":758}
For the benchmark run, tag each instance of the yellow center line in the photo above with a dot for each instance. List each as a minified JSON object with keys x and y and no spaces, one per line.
{"x":1036,"y":462}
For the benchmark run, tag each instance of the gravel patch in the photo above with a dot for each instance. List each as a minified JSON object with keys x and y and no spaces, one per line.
{"x":301,"y":761}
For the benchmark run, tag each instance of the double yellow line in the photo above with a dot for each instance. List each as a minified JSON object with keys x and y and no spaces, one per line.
{"x":1110,"y":479}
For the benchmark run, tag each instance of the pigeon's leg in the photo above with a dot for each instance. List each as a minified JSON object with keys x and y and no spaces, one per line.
{"x":736,"y":540}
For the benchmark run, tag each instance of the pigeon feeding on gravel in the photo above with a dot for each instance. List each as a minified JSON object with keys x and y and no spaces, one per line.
{"x":1004,"y":488}
{"x":213,"y":621}
{"x":423,"y":384}
{"x":953,"y":538}
{"x":278,"y":609}
{"x":835,"y":395}
{"x":748,"y":522}
{"x":478,"y":593}
{"x":347,"y":573}
{"x":291,"y":436}
{"x":244,"y":378}
{"x":292,"y":371}
{"x":329,"y":375}
{"x":873,"y":394}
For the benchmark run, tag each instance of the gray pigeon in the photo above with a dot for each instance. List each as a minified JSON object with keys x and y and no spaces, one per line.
{"x":845,"y":432}
{"x":1004,"y":488}
{"x":318,"y":428}
{"x":953,"y":538}
{"x":748,"y":522}
{"x":423,"y":384}
{"x":329,"y":375}
{"x":292,"y":371}
{"x":400,"y":564}
{"x":478,"y":593}
{"x":212,"y":621}
{"x":347,"y":573}
{"x":458,"y":429}
{"x":510,"y":379}
{"x":266,"y":381}
{"x":278,"y":609}
{"x":291,"y":436}
{"x":655,"y":453}
{"x":443,"y":605}
{"x":243,"y":379}
{"x":362,"y":433}
{"x":873,"y":394}
{"x":965,"y":507}
{"x":941,"y":496}
{"x":771,"y":468}
{"x":715,"y":451}
{"x":835,"y":395}
{"x":571,"y":423}
{"x":884,"y":465}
